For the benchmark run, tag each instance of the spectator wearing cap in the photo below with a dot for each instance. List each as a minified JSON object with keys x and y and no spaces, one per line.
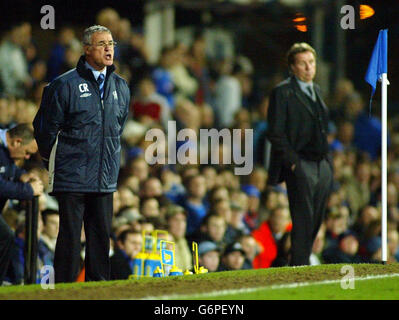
{"x":251,"y":218}
{"x":128,"y":245}
{"x":233,"y":257}
{"x":345,"y":252}
{"x":209,"y":255}
{"x":176,"y":219}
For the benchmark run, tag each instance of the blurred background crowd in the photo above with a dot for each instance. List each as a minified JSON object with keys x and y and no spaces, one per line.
{"x":239,"y":222}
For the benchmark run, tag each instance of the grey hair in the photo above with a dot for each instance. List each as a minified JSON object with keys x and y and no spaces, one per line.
{"x":88,"y":33}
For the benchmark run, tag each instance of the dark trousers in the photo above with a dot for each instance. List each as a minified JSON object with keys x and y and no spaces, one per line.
{"x":308,"y":189}
{"x":95,"y":210}
{"x":6,"y":244}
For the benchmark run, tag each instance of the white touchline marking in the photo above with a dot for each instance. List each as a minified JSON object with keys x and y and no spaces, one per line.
{"x":249,"y":290}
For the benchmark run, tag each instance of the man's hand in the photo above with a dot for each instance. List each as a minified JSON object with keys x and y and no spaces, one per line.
{"x":37,"y":187}
{"x":293,"y":167}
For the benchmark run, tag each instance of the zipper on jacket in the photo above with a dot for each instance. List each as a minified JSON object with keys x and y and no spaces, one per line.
{"x":102,"y":145}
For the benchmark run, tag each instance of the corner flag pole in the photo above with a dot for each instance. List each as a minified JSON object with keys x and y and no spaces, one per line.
{"x":378,"y":70}
{"x":384,"y":96}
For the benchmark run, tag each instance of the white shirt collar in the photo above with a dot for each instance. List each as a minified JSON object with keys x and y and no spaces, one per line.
{"x":96,"y":73}
{"x":303,"y":84}
{"x":3,"y":137}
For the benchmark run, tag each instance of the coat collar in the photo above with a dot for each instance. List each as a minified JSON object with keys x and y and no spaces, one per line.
{"x":87,"y":73}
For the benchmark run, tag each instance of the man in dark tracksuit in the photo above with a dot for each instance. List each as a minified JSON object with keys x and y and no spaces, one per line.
{"x":15,"y":144}
{"x":78,"y":129}
{"x":298,"y":121}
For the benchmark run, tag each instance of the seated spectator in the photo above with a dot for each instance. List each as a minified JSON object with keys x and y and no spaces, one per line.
{"x":210,"y":175}
{"x":357,"y":188}
{"x":209,"y":255}
{"x":194,"y":202}
{"x":213,"y":229}
{"x":218,"y":193}
{"x":271,"y":235}
{"x":346,"y":250}
{"x":153,"y":223}
{"x":251,"y":217}
{"x":128,"y":245}
{"x":393,"y":245}
{"x":149,"y":207}
{"x":16,"y":267}
{"x":130,"y":217}
{"x":149,"y":106}
{"x":336,"y":224}
{"x":57,"y":54}
{"x":251,"y":249}
{"x":233,"y":257}
{"x":222,"y":208}
{"x":163,"y":78}
{"x":367,"y":215}
{"x":186,"y":85}
{"x":228,"y":94}
{"x":127,"y":198}
{"x":176,"y":219}
{"x":152,"y":188}
{"x":14,"y":76}
{"x":373,"y":250}
{"x":258,"y":178}
{"x":138,"y":167}
{"x":237,"y":227}
{"x":51,"y":223}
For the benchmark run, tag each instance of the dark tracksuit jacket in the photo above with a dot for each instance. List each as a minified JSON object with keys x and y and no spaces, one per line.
{"x":78,"y":134}
{"x":10,"y":188}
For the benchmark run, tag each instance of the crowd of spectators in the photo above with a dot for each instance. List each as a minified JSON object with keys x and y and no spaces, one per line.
{"x":239,"y":222}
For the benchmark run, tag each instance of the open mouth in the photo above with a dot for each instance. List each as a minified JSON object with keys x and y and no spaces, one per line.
{"x":108,"y":56}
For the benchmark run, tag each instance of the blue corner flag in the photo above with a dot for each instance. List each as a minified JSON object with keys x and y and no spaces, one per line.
{"x":378,"y":62}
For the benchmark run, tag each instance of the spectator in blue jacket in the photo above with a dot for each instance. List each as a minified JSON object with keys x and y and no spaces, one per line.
{"x":78,"y":129}
{"x":15,"y":144}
